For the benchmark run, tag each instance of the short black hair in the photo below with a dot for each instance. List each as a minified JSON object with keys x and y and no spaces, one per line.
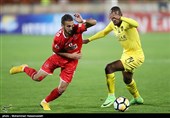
{"x":66,"y":17}
{"x":115,"y":9}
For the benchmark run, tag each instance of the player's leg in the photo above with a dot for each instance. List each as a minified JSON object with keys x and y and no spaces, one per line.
{"x":66,"y":76}
{"x":110,"y":80}
{"x":132,"y":88}
{"x":37,"y":76}
{"x":55,"y":93}
{"x":46,"y":69}
{"x":130,"y":63}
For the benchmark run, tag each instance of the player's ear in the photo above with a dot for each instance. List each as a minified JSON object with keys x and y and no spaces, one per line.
{"x":109,"y":16}
{"x":120,"y":13}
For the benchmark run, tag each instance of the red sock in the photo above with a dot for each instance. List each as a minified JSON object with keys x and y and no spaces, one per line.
{"x":30,"y":71}
{"x":53,"y":95}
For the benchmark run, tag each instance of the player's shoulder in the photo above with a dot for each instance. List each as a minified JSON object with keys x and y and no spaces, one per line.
{"x":59,"y":34}
{"x":111,"y":24}
{"x":76,"y":26}
{"x":79,"y":28}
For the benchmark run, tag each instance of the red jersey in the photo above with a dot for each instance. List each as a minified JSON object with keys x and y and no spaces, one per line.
{"x":72,"y":44}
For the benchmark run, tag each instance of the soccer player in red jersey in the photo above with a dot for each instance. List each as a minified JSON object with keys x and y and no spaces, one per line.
{"x":66,"y":48}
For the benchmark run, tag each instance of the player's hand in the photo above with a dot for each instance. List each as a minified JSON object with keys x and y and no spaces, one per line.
{"x":78,"y":18}
{"x":85,"y":41}
{"x":76,"y":55}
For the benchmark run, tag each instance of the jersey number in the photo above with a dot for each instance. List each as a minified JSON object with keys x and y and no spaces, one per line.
{"x":129,"y":60}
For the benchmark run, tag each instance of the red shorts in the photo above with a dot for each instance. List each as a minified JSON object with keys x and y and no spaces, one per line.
{"x":68,"y":66}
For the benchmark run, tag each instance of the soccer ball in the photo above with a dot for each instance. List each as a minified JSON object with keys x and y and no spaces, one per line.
{"x":121,"y":104}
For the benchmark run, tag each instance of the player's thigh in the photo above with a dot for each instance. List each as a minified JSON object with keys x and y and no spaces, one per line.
{"x":50,"y":65}
{"x":114,"y":66}
{"x":68,"y":71}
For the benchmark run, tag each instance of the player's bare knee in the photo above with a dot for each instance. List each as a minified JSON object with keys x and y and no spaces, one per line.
{"x":109,"y":68}
{"x":38,"y":79}
{"x":61,"y":90}
{"x":127,"y":80}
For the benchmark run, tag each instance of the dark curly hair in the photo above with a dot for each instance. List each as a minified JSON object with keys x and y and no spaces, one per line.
{"x":116,"y":9}
{"x":66,"y":17}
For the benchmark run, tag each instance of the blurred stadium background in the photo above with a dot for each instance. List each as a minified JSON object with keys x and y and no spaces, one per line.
{"x":42,"y":17}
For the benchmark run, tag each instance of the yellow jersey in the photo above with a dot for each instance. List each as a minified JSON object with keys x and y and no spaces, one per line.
{"x":126,"y":34}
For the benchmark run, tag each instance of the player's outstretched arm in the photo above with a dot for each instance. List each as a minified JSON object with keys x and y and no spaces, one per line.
{"x":88,"y":22}
{"x":99,"y":34}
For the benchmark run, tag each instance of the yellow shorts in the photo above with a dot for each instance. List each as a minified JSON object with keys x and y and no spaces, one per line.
{"x":131,"y":62}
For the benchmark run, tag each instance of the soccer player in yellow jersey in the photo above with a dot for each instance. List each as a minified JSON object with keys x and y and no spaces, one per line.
{"x":125,"y":29}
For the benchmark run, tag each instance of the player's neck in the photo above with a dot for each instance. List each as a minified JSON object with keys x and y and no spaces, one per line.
{"x":66,"y":35}
{"x":119,"y":24}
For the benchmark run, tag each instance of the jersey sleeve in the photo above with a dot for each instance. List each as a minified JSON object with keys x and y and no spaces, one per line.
{"x":80,"y":28}
{"x":130,"y":22}
{"x":57,"y":43}
{"x":102,"y":33}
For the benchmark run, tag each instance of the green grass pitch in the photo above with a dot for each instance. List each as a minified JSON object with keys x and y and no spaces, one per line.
{"x":86,"y":93}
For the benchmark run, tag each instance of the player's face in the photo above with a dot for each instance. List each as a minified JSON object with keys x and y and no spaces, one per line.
{"x":114,"y":20}
{"x":68,"y":28}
